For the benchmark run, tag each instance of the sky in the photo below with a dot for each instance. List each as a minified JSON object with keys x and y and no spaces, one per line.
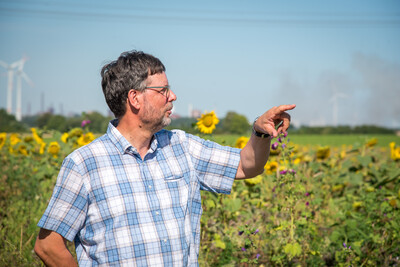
{"x":338,"y":61}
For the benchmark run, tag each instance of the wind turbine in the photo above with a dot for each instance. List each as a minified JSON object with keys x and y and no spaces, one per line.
{"x":334,"y":99}
{"x":21,"y":75}
{"x":10,"y":69}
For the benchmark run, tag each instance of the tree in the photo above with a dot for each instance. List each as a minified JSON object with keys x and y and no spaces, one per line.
{"x":235,"y":123}
{"x":8,"y":123}
{"x":57,"y":122}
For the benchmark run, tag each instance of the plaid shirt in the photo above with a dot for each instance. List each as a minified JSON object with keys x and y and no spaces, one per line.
{"x":122,"y":210}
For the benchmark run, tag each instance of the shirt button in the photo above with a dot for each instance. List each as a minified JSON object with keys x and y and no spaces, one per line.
{"x":149,"y":186}
{"x":165,"y":240}
{"x":157,"y":213}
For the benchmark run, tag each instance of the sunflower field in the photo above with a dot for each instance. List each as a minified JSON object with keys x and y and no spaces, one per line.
{"x":313,"y":205}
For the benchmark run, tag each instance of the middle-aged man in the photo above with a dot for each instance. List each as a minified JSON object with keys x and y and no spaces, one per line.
{"x":132,"y":196}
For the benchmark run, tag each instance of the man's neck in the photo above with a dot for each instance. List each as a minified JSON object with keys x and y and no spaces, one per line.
{"x":136,"y":133}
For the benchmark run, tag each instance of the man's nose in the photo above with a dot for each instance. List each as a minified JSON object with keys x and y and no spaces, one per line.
{"x":172,"y":96}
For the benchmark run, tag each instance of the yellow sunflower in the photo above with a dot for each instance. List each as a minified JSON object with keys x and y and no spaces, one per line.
{"x":207,"y":122}
{"x":271,"y":167}
{"x":28,"y":139}
{"x":241,"y":142}
{"x":3,"y":138}
{"x":394,"y":151}
{"x":254,"y":181}
{"x":85,"y":139}
{"x":323,"y":152}
{"x":22,"y":149}
{"x":14,"y":139}
{"x":372,"y":142}
{"x":53,"y":149}
{"x":42,"y":147}
{"x":76,"y":132}
{"x":36,"y":136}
{"x":64,"y":137}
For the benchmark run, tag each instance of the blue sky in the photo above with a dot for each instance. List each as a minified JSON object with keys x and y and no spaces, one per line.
{"x":220,"y":55}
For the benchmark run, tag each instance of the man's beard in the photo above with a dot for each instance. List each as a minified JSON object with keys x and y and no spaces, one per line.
{"x":156,"y":124}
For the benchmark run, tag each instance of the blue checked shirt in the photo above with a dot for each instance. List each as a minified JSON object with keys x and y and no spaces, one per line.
{"x":122,"y":210}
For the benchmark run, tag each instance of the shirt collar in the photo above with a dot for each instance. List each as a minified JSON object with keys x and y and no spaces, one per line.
{"x":122,"y":144}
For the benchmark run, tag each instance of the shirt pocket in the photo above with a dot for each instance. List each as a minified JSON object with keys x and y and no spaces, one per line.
{"x":174,"y":177}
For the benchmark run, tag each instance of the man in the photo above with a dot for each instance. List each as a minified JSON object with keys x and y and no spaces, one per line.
{"x":132,"y":196}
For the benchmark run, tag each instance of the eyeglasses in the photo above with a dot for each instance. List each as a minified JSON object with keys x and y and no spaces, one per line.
{"x":164,"y":89}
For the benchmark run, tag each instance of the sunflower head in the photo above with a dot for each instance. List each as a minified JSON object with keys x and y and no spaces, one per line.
{"x":271,"y":167}
{"x":42,"y":147}
{"x":36,"y":136}
{"x":54,"y":148}
{"x":64,"y":137}
{"x":207,"y":122}
{"x":241,"y":142}
{"x":253,"y":181}
{"x":85,"y":139}
{"x":323,"y":152}
{"x":372,"y":142}
{"x":3,"y":138}
{"x":22,"y":149}
{"x":14,"y":139}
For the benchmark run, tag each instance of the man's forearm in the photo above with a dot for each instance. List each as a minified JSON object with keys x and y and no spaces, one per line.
{"x":52,"y":250}
{"x":253,"y":157}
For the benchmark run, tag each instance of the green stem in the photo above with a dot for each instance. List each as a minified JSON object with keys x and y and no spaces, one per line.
{"x":291,"y":225}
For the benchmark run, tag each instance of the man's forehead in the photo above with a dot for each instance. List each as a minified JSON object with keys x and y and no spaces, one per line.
{"x":160,"y":78}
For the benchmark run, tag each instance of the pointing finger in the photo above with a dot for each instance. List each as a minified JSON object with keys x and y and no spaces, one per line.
{"x":283,"y":108}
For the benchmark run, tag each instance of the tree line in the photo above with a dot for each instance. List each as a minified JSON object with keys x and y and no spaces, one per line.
{"x":232,"y":123}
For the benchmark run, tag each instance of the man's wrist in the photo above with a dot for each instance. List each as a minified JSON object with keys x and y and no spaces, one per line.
{"x":260,"y":134}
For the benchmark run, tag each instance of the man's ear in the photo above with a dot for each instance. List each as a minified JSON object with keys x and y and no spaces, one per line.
{"x":133,"y":98}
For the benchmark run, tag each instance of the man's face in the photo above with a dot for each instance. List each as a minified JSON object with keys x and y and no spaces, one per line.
{"x":157,"y":107}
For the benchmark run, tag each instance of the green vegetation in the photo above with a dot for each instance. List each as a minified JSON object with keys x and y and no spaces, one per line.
{"x":343,"y":139}
{"x":332,"y":206}
{"x":8,"y":123}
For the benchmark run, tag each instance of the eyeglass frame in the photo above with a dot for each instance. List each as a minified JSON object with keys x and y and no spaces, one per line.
{"x":165,"y":91}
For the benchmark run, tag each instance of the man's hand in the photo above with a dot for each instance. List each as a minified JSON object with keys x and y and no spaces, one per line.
{"x":255,"y":154}
{"x":272,"y":118}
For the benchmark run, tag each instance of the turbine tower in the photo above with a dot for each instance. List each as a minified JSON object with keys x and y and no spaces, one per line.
{"x":10,"y":69}
{"x":21,"y":75}
{"x":334,"y":99}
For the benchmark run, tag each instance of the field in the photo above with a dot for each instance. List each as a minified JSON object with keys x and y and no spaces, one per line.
{"x":324,"y":140}
{"x":322,"y":201}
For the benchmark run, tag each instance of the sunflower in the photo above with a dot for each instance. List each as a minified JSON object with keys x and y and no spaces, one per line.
{"x":53,"y":149}
{"x":323,"y":152}
{"x":207,"y":122}
{"x":372,"y":142}
{"x":271,"y":167}
{"x":76,"y":132}
{"x":85,"y":139}
{"x":3,"y":137}
{"x":28,"y":139}
{"x":394,"y":151}
{"x":22,"y":149}
{"x":14,"y":139}
{"x":64,"y":137}
{"x":36,"y":136}
{"x":241,"y":142}
{"x":42,"y":147}
{"x":254,"y":181}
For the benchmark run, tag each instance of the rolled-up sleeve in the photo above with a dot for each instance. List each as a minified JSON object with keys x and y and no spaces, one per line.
{"x":68,"y":205}
{"x":216,"y":165}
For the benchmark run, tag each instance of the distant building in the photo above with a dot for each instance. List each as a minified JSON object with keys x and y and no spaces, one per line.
{"x":195,"y":113}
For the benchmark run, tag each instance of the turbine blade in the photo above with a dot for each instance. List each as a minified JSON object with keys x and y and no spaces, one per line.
{"x":26,"y":78}
{"x":17,"y":64}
